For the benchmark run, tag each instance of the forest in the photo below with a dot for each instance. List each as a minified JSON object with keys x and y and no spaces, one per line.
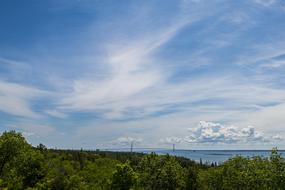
{"x":23,"y":166}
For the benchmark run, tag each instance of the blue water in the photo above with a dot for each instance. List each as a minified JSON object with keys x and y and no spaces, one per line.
{"x":210,"y":156}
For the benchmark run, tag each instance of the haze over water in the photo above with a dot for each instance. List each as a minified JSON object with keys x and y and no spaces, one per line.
{"x":210,"y":156}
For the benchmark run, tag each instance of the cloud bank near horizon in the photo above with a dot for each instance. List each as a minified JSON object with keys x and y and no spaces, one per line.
{"x":216,"y":133}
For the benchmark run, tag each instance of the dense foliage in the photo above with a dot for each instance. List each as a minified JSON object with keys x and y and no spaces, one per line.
{"x":38,"y":168}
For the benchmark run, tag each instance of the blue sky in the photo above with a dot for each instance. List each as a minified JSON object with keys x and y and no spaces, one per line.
{"x":100,"y":74}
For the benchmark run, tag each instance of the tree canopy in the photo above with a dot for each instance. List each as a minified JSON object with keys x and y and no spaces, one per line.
{"x":23,"y":166}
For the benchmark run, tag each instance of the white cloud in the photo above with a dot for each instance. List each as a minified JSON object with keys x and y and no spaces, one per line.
{"x":119,"y":101}
{"x":268,"y":118}
{"x":277,"y":137}
{"x":30,"y":129}
{"x":209,"y":132}
{"x":274,"y":62}
{"x":265,"y":3}
{"x":125,"y":141}
{"x":15,"y":99}
{"x":136,"y":84}
{"x":136,"y":80}
{"x":56,"y":113}
{"x":27,"y":134}
{"x":133,"y":73}
{"x":171,"y":140}
{"x":263,"y":54}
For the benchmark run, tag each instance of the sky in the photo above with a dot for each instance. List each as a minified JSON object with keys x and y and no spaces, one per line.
{"x":102,"y":74}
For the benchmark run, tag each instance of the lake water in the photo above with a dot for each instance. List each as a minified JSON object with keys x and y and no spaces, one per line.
{"x":212,"y":155}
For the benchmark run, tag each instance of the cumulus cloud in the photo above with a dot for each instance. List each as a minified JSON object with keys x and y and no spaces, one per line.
{"x":277,"y":137}
{"x":209,"y":132}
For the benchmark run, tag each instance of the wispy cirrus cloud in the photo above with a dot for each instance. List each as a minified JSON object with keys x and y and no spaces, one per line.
{"x":154,"y":70}
{"x":55,"y":113}
{"x":266,"y":2}
{"x":16,"y":99}
{"x":136,"y":83}
{"x":132,"y":72}
{"x":31,"y":129}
